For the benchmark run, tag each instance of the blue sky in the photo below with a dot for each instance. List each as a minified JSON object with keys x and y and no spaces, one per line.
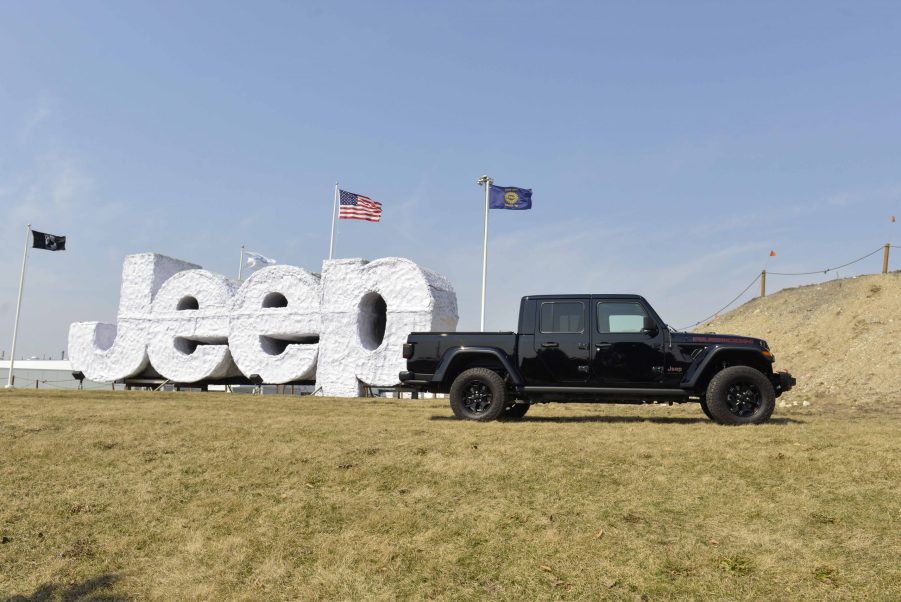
{"x":669,"y":145}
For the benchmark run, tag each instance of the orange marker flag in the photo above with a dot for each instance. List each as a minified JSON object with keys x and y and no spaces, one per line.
{"x":772,"y":253}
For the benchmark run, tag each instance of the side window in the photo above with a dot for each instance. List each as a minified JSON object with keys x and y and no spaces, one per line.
{"x":562,"y":316}
{"x":620,"y":317}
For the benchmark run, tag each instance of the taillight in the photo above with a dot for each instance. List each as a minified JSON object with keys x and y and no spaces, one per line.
{"x":408,"y":350}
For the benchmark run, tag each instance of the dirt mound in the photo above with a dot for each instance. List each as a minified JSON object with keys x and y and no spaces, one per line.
{"x":841,"y":339}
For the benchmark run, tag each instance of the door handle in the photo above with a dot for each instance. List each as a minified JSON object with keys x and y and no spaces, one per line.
{"x":550,"y":344}
{"x":603,"y":345}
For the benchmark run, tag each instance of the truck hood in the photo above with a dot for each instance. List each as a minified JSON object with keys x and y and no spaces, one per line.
{"x":707,"y":338}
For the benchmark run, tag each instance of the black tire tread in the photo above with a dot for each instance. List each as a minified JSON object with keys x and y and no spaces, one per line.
{"x":705,"y":409}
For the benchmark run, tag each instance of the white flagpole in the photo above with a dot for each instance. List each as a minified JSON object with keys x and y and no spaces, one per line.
{"x":331,"y":242}
{"x":486,"y":182}
{"x":12,"y":356}
{"x":241,"y":264}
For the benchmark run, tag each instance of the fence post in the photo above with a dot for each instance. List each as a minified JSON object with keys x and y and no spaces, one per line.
{"x":763,"y":283}
{"x":885,"y":258}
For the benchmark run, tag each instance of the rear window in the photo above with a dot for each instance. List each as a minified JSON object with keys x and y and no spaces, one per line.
{"x":562,"y":316}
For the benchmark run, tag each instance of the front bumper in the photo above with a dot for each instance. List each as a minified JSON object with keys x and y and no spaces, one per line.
{"x":784,"y":381}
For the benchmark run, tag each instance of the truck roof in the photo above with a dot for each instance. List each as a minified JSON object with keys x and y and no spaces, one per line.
{"x":583,"y":296}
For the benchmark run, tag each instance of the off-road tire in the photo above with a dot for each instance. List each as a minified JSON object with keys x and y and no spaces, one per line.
{"x":740,"y":395}
{"x":478,"y":394}
{"x":515,"y":411}
{"x":705,"y":409}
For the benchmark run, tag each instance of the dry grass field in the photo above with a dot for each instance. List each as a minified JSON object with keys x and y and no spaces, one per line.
{"x":148,"y":496}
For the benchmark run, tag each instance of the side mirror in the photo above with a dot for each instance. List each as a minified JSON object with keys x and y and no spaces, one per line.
{"x":649,"y":326}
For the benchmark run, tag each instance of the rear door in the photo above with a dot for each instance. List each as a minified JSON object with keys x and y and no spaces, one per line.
{"x":562,"y":340}
{"x":624,"y":352}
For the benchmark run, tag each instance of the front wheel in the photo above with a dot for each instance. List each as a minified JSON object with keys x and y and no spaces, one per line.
{"x":515,"y":411}
{"x":740,"y":395}
{"x":478,"y":394}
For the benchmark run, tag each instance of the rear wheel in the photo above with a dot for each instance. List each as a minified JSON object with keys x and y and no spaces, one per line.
{"x":740,"y":395}
{"x":478,"y":394}
{"x":515,"y":411}
{"x":705,"y":409}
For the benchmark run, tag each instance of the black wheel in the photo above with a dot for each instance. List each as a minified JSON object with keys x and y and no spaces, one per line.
{"x":478,"y":394}
{"x":740,"y":395}
{"x":515,"y":411}
{"x":704,"y":407}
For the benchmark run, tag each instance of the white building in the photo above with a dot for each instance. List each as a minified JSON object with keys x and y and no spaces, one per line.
{"x":50,"y":374}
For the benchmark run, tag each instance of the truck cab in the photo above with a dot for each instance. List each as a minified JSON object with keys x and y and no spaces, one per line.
{"x":602,"y":341}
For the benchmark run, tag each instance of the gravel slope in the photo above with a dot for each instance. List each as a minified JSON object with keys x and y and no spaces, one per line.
{"x":841,"y":339}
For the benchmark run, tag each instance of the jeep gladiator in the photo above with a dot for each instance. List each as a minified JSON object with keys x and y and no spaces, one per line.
{"x":596,"y":349}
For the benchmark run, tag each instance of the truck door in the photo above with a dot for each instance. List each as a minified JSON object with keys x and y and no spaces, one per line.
{"x":561,"y":341}
{"x":627,"y":347}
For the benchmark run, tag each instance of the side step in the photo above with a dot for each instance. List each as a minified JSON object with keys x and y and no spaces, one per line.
{"x":609,"y":391}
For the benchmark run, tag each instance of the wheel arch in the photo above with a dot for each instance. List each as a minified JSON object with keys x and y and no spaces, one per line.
{"x":458,"y":359}
{"x":718,"y":357}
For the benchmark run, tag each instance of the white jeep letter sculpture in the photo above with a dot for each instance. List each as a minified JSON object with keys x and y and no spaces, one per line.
{"x":345,"y":328}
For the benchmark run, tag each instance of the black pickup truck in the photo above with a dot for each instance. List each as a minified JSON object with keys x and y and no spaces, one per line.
{"x":594,"y":348}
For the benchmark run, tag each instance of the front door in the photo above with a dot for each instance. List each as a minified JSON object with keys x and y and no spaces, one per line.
{"x":561,"y":340}
{"x":625,"y":352}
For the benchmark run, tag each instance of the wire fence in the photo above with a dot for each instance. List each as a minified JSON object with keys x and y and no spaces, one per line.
{"x":40,"y":383}
{"x":827,"y":270}
{"x":725,"y":307}
{"x":764,"y":273}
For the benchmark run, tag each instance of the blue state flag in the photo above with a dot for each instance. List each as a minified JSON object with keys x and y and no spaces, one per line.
{"x":508,"y":197}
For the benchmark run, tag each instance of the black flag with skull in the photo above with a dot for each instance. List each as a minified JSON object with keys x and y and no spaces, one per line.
{"x":50,"y":242}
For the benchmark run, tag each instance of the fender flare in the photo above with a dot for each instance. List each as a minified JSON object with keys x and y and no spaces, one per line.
{"x":700,"y":364}
{"x":451,"y":354}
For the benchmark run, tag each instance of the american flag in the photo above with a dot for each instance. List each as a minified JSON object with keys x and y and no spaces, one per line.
{"x":357,"y":206}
